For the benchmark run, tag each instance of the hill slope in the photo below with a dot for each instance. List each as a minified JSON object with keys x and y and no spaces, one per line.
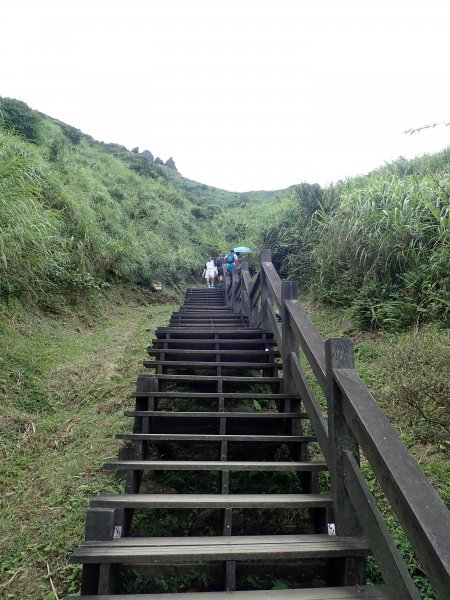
{"x":77,"y":214}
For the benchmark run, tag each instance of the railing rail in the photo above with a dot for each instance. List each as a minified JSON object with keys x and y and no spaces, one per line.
{"x":353,"y":421}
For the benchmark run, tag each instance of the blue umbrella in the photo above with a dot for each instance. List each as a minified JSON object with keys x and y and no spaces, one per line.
{"x":242,"y":250}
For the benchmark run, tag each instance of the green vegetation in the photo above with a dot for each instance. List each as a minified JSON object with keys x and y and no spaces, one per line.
{"x":378,"y":244}
{"x":407,"y":373}
{"x":64,"y":384}
{"x":83,"y":222}
{"x":76,"y":214}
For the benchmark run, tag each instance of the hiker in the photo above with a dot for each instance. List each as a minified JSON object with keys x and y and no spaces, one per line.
{"x":219,"y":265}
{"x":209,"y":272}
{"x":231,"y":260}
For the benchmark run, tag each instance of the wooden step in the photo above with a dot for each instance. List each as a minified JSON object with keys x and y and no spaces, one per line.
{"x":200,"y":437}
{"x":244,"y":333}
{"x":229,"y":378}
{"x":165,"y":550}
{"x":206,"y":315}
{"x":174,"y":414}
{"x":206,"y":311}
{"x":204,"y":308}
{"x":198,"y":364}
{"x":212,"y":465}
{"x":211,"y":326}
{"x":236,"y":344}
{"x":259,"y":501}
{"x":361,"y":592}
{"x":210,"y":352}
{"x":216,"y":395}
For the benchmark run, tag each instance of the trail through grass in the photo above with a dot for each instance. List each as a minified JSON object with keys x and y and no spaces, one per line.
{"x":61,"y":407}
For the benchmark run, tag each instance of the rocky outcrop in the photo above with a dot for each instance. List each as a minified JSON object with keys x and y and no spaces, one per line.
{"x":147,"y":154}
{"x":156,"y":161}
{"x":171,"y":164}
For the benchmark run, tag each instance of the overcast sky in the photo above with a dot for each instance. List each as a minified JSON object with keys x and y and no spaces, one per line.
{"x":243,"y":94}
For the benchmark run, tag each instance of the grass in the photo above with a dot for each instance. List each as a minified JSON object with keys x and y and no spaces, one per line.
{"x":58,"y":422}
{"x":375,"y":359}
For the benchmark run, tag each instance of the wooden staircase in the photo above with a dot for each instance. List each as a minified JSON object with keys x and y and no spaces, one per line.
{"x":235,"y":418}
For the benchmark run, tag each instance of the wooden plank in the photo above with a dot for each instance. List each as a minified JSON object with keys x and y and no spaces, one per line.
{"x":273,"y":281}
{"x":258,"y":501}
{"x":247,"y":332}
{"x":419,"y":509}
{"x":236,"y":343}
{"x":313,"y":410}
{"x":398,"y":581}
{"x":208,"y":352}
{"x":273,"y":324}
{"x":213,"y":415}
{"x":256,"y":289}
{"x":209,"y":364}
{"x":193,"y":437}
{"x":207,"y":318}
{"x":310,"y":341}
{"x":215,"y":395}
{"x":167,"y":465}
{"x":212,"y":325}
{"x":163,"y":550}
{"x":246,"y":540}
{"x":339,"y":354}
{"x":234,"y":378}
{"x":369,"y":592}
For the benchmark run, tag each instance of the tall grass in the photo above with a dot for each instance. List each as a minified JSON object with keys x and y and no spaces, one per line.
{"x":32,"y":247}
{"x":385,"y":249}
{"x":75,"y":215}
{"x":379,"y":244}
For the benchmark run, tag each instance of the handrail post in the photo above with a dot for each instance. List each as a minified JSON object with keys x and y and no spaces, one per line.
{"x":339,"y":355}
{"x":289,"y":291}
{"x":234,"y":281}
{"x":245,"y":301}
{"x":265,"y":256}
{"x":253,"y":307}
{"x":226,"y":283}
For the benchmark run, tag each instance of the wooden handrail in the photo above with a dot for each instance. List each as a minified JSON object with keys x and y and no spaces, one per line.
{"x":312,"y":407}
{"x":256,"y":289}
{"x":310,"y":340}
{"x":273,"y":282}
{"x":376,"y":532}
{"x":360,"y":423}
{"x":419,"y":509}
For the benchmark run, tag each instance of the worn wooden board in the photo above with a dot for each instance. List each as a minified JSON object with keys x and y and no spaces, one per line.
{"x":342,"y":593}
{"x":167,"y":465}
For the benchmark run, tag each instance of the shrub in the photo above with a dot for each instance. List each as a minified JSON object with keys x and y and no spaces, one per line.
{"x":71,"y":133}
{"x":419,"y":389}
{"x":16,"y":115}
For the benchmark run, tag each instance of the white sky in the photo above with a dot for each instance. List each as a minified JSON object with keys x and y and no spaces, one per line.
{"x":244,"y":94}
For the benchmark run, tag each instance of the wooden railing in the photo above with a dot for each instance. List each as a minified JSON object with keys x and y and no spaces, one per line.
{"x":353,"y":423}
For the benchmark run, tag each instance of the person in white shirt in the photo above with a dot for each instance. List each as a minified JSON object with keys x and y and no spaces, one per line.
{"x":209,"y":272}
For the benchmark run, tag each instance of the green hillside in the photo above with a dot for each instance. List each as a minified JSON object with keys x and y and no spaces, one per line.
{"x":77,"y":214}
{"x":86,"y":227}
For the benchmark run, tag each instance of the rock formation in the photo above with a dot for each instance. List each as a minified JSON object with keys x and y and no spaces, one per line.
{"x":171,"y":164}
